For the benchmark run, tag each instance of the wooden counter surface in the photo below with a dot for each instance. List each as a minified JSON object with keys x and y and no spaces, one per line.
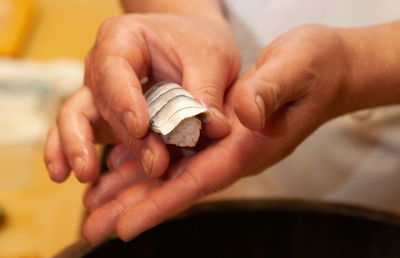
{"x":43,"y":217}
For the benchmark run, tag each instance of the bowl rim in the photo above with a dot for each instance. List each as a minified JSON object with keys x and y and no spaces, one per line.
{"x":82,"y":247}
{"x":293,"y":204}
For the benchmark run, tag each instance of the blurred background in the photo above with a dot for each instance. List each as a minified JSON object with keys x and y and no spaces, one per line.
{"x":42,"y":46}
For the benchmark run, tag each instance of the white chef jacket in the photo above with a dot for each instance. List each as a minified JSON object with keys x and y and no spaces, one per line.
{"x":352,"y":159}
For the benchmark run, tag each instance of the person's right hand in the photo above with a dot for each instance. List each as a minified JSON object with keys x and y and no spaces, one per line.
{"x":198,"y":53}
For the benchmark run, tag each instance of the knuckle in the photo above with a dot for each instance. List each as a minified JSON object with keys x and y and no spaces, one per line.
{"x":222,"y":53}
{"x":122,"y":203}
{"x":109,"y":23}
{"x":216,"y":49}
{"x":280,"y":91}
{"x":274,"y":93}
{"x":211,"y":92}
{"x":308,"y":74}
{"x":159,"y":212}
{"x":155,"y":214}
{"x":274,"y":49}
{"x":73,"y":150}
{"x":191,"y":180}
{"x":118,"y":26}
{"x":70,"y":102}
{"x":271,"y":91}
{"x":69,"y":109}
{"x":62,"y":114}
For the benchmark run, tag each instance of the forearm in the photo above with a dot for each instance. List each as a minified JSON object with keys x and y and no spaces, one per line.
{"x":374,"y":62}
{"x":202,"y":8}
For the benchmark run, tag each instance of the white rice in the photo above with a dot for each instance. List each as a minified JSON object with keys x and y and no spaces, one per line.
{"x":186,"y":134}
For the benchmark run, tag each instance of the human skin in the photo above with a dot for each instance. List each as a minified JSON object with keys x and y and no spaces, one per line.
{"x":304,"y":78}
{"x":361,"y":63}
{"x":184,"y":41}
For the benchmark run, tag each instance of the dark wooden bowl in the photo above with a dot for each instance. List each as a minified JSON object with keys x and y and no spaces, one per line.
{"x":262,"y":228}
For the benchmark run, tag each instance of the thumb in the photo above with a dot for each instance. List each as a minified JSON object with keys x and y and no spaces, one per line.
{"x":265,"y":89}
{"x":207,"y":78}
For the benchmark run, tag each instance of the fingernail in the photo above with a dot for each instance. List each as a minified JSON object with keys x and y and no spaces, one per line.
{"x":121,"y":158}
{"x":79,"y":165}
{"x":131,"y":123}
{"x":220,"y":116}
{"x":261,"y":107}
{"x":147,"y":160}
{"x":52,"y":170}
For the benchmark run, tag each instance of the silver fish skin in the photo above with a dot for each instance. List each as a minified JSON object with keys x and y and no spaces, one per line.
{"x":169,"y":104}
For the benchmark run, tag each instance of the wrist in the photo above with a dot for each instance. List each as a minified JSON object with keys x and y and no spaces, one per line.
{"x":209,"y":9}
{"x":373,"y":59}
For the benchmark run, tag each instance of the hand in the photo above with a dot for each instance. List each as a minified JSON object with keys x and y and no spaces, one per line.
{"x":303,"y":75}
{"x":198,"y":53}
{"x":78,"y":128}
{"x":300,"y":78}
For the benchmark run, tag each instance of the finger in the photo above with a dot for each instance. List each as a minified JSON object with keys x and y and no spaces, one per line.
{"x":54,"y":158}
{"x":152,"y":153}
{"x":76,"y":134}
{"x":207,"y":77}
{"x":118,"y":155}
{"x":102,"y":221}
{"x":267,"y":88}
{"x":118,"y":60}
{"x":177,"y":194}
{"x":103,"y":133}
{"x":123,"y":168}
{"x":124,"y":172}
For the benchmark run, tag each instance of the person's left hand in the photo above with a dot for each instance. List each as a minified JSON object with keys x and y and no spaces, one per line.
{"x":197,"y":52}
{"x":79,"y":126}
